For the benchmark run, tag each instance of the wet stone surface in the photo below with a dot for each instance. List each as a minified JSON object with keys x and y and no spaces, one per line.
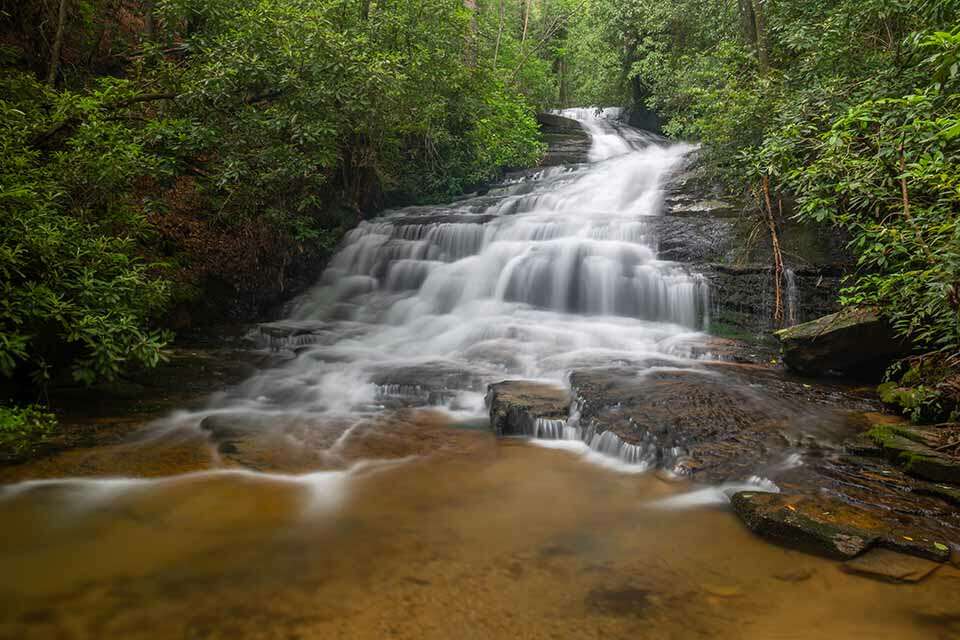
{"x":713,"y":423}
{"x":832,"y":528}
{"x":516,"y":406}
{"x":725,"y":423}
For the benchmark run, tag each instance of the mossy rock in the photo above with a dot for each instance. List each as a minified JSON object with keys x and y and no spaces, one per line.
{"x":854,"y":342}
{"x":928,"y":392}
{"x":830,"y":528}
{"x":785,"y":520}
{"x":944,"y":492}
{"x":909,"y":449}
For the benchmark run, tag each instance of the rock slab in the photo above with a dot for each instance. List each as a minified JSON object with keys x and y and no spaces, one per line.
{"x":908,"y":447}
{"x":829,"y":528}
{"x":855,"y":342}
{"x":516,"y":405}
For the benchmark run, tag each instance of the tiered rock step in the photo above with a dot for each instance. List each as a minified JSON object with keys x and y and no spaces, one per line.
{"x":844,"y":502}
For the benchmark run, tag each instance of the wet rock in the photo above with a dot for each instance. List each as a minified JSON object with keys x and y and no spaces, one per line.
{"x":908,"y":447}
{"x":944,"y":492}
{"x":431,"y":217}
{"x":291,"y":328}
{"x":742,"y":296}
{"x":428,"y":383}
{"x":228,"y":427}
{"x":515,"y":406}
{"x":698,"y":240}
{"x":790,"y":520}
{"x":556,"y":123}
{"x":862,"y":445}
{"x":707,"y":207}
{"x":716,"y":423}
{"x":890,"y":566}
{"x":854,"y":342}
{"x":567,"y":142}
{"x":902,"y":502}
{"x":829,"y":527}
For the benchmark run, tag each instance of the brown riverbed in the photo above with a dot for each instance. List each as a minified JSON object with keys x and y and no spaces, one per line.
{"x":478,"y":539}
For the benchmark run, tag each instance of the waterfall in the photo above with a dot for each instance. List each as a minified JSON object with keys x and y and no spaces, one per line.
{"x":793,"y":298}
{"x":556,"y":269}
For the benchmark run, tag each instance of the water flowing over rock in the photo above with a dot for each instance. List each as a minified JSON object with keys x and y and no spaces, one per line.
{"x":552,"y":269}
{"x":570,"y":306}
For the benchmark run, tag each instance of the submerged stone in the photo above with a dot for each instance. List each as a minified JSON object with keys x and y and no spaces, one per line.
{"x":855,"y":341}
{"x":890,"y":566}
{"x":225,"y":427}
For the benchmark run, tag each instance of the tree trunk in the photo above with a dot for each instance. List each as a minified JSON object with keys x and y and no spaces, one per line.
{"x":470,"y":54}
{"x":526,"y":23}
{"x":777,"y":255}
{"x":364,"y":9}
{"x":748,"y":23}
{"x":148,"y":25}
{"x":54,"y":68}
{"x":763,"y":46}
{"x":501,"y":17}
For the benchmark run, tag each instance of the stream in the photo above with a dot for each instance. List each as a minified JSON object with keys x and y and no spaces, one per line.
{"x":354,"y":488}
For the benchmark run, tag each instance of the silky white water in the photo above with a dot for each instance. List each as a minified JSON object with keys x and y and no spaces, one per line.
{"x":427,"y":305}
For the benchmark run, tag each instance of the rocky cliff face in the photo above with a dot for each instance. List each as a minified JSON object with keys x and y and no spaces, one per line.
{"x":717,"y":234}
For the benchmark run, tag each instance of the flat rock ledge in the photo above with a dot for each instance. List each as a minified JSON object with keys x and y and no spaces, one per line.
{"x":516,"y":405}
{"x":910,"y":447}
{"x":830,"y":528}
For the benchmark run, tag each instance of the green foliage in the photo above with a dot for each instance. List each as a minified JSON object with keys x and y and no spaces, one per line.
{"x":926,"y":389}
{"x":72,"y":290}
{"x":21,"y":428}
{"x":240,"y":129}
{"x":848,"y":108}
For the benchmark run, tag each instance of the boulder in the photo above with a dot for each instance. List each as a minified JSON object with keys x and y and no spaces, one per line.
{"x":515,"y":406}
{"x":855,"y":342}
{"x":829,"y":527}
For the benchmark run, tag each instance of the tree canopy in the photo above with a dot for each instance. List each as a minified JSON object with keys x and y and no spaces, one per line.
{"x":844,"y":111}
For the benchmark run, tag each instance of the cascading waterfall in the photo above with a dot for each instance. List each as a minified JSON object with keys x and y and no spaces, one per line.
{"x":550,"y":271}
{"x":793,"y":298}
